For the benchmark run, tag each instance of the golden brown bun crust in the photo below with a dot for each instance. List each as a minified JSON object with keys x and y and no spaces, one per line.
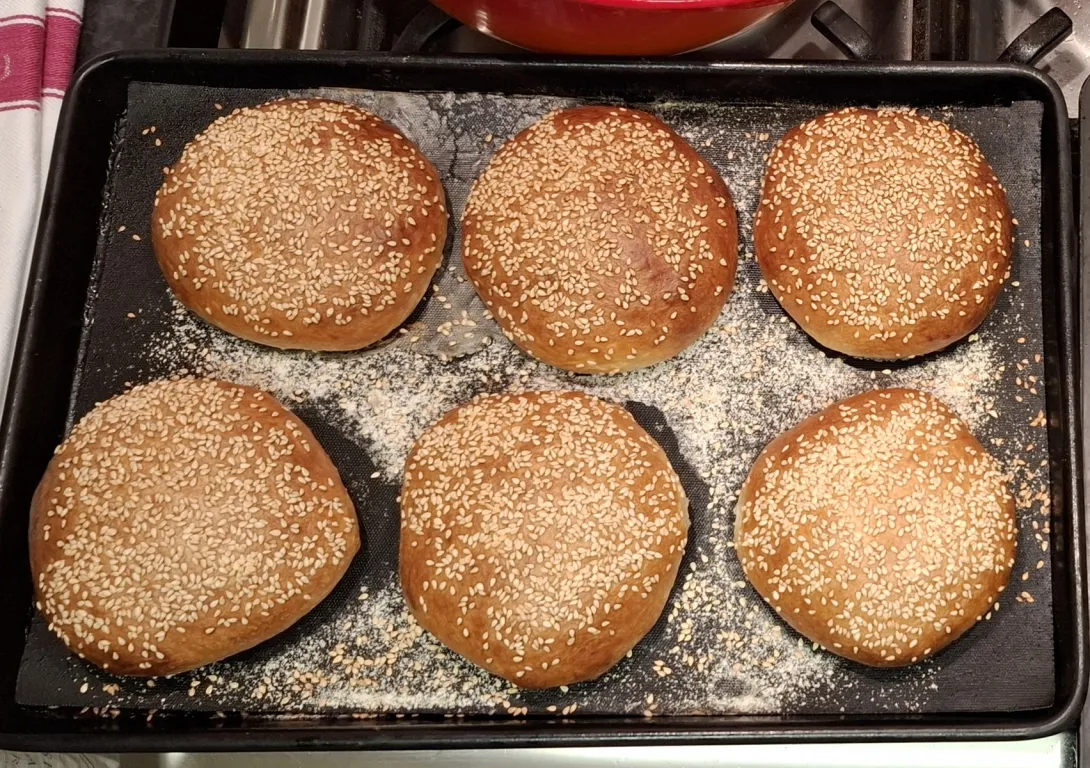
{"x":301,"y":224}
{"x":540,"y":534}
{"x":884,"y":234}
{"x":879,"y":528}
{"x":183,"y":522}
{"x":600,"y":240}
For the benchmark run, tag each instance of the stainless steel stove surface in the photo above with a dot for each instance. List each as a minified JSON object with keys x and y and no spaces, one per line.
{"x":997,"y":21}
{"x":1055,"y":752}
{"x":895,"y":30}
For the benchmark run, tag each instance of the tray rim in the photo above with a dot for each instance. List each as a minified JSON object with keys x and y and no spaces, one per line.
{"x":317,"y":733}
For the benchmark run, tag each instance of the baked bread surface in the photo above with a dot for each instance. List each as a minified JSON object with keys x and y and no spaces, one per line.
{"x":541,"y":534}
{"x":182,"y":522}
{"x":879,"y":527}
{"x":301,"y":224}
{"x":600,"y":240}
{"x":883,"y":233}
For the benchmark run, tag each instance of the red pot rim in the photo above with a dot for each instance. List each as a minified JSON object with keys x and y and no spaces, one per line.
{"x":662,"y":5}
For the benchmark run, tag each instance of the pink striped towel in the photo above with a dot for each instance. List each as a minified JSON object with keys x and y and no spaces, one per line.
{"x":37,"y":50}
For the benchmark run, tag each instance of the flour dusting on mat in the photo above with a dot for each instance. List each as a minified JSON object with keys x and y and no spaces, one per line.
{"x":718,"y":648}
{"x":726,"y":649}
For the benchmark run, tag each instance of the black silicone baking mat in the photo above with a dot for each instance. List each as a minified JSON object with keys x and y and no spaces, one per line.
{"x":719,"y":649}
{"x":47,"y":358}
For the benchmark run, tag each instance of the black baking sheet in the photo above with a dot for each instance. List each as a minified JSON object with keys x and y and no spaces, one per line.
{"x":1005,"y":663}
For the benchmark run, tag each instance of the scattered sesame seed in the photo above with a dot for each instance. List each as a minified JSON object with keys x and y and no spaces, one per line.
{"x":887,"y":512}
{"x":504,"y":501}
{"x":590,"y":225}
{"x":286,"y":223}
{"x":883,"y":233}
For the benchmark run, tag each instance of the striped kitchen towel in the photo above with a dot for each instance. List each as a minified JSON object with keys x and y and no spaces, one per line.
{"x":37,"y":51}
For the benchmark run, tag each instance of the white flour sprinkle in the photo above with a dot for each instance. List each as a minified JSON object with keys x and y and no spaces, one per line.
{"x":748,"y":378}
{"x":373,"y":659}
{"x":753,"y":375}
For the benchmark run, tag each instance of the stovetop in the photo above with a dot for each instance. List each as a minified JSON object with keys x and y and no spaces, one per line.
{"x":788,"y":34}
{"x":414,"y":26}
{"x":976,"y":30}
{"x":996,"y":21}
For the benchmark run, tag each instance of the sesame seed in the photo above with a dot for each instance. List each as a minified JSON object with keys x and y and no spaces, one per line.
{"x":184,"y":507}
{"x":571,"y":509}
{"x":287,"y":224}
{"x":885,"y":234}
{"x":887,"y":512}
{"x":591,"y":224}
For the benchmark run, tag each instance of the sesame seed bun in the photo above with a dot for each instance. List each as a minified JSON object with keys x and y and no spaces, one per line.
{"x":600,"y":240}
{"x":883,"y":233}
{"x":301,"y":224}
{"x":183,"y":522}
{"x":540,"y":534}
{"x":879,"y":527}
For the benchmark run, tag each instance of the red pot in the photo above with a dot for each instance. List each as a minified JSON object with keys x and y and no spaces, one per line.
{"x":611,"y":27}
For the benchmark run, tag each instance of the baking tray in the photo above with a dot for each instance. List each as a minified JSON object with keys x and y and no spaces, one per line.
{"x":39,"y":400}
{"x":719,"y":650}
{"x":1081,"y":129}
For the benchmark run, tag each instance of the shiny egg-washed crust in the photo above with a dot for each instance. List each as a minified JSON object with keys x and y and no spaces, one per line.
{"x":541,"y":534}
{"x":600,"y":240}
{"x":883,"y":233}
{"x":301,"y":224}
{"x":183,"y":522}
{"x":879,"y":527}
